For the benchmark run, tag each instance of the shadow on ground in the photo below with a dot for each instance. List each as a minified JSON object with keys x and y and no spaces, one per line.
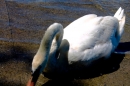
{"x":123,"y":47}
{"x":15,"y":66}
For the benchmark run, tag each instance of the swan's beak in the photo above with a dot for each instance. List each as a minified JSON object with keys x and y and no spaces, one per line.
{"x":34,"y":77}
{"x":31,"y":82}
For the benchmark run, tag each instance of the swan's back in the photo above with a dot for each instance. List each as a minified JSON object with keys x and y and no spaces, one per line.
{"x":92,"y":37}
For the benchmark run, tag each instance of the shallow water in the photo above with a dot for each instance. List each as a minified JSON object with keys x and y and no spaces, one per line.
{"x":23,"y":23}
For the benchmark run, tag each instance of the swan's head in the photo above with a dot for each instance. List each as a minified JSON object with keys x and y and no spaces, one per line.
{"x":36,"y":70}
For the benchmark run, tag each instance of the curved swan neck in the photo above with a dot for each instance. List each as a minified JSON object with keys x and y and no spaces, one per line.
{"x":41,"y":57}
{"x":54,"y":30}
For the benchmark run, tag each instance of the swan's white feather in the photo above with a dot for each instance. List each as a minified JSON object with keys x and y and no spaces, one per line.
{"x":92,"y":37}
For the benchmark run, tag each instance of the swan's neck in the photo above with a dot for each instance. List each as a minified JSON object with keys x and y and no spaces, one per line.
{"x":41,"y":57}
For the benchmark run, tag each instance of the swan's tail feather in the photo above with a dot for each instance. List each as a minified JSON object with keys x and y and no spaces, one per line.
{"x":120,"y":15}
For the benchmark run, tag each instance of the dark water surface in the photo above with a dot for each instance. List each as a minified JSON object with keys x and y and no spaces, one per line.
{"x":23,"y":23}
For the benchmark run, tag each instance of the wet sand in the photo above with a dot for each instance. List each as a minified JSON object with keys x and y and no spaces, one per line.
{"x":21,"y":29}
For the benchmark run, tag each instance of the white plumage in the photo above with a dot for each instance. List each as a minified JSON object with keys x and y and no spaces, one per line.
{"x":92,"y":37}
{"x":84,"y":40}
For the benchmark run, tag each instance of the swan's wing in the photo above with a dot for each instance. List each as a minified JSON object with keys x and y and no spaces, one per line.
{"x":94,"y":39}
{"x":97,"y":27}
{"x":81,"y":25}
{"x":78,"y":22}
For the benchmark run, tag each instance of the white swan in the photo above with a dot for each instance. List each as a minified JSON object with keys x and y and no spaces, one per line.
{"x":85,"y":40}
